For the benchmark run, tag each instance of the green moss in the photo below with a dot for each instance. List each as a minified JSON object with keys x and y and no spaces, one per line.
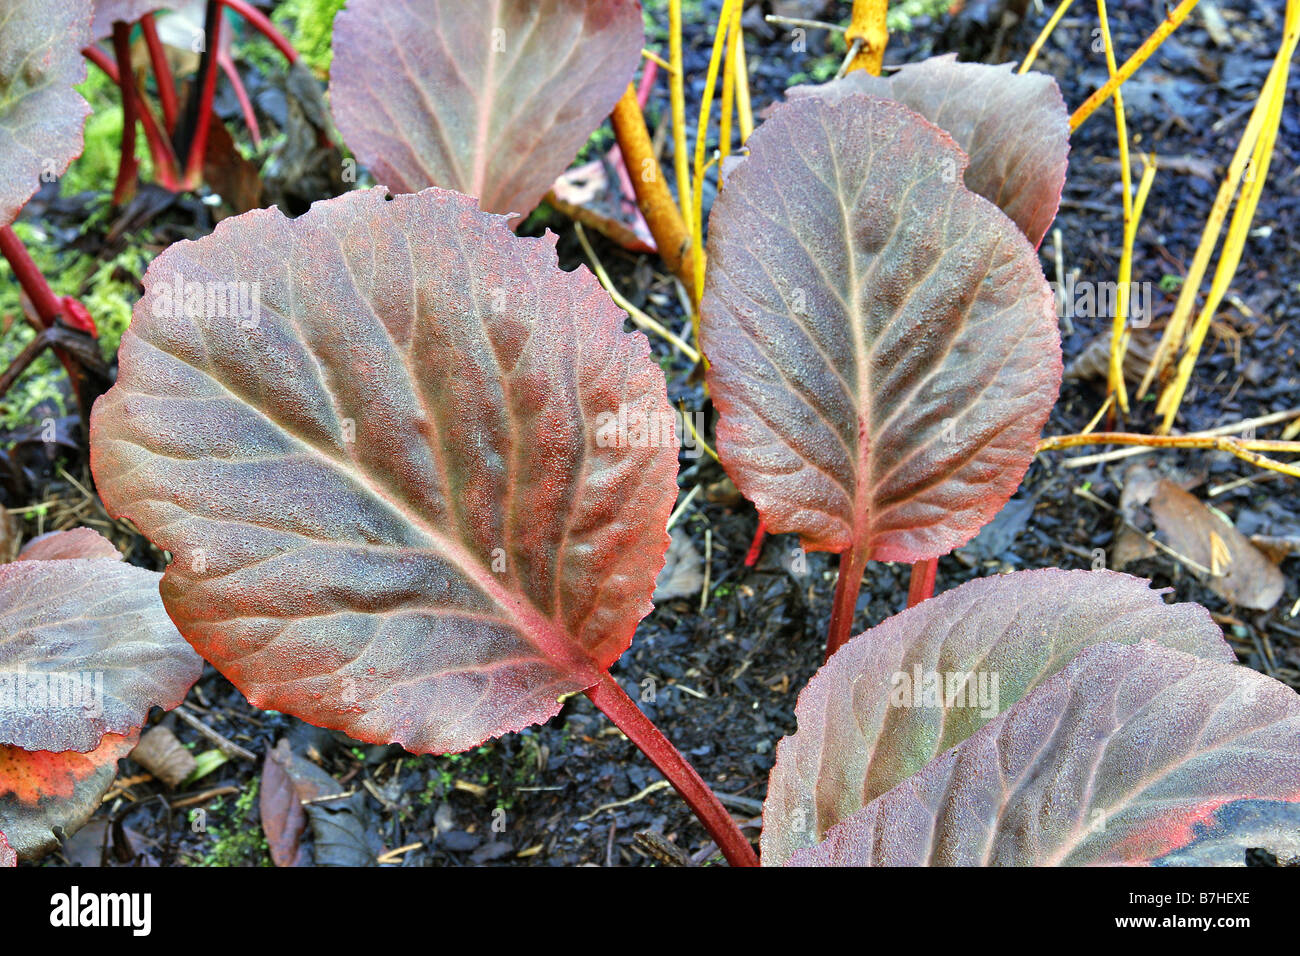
{"x":108,"y":289}
{"x":900,"y":15}
{"x":238,"y":840}
{"x":309,"y":25}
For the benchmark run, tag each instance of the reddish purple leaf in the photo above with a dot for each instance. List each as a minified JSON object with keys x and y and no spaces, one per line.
{"x":1014,"y":127}
{"x":41,"y":115}
{"x":76,"y":543}
{"x":990,"y":641}
{"x":388,"y":503}
{"x":1120,"y":758}
{"x":42,"y":791}
{"x":884,"y":347}
{"x":85,"y":650}
{"x":491,"y":99}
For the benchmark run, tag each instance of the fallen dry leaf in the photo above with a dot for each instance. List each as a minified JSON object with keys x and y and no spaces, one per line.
{"x":1248,"y":578}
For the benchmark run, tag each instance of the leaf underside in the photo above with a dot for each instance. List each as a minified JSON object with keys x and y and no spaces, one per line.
{"x":1122,"y":757}
{"x":884,"y":347}
{"x":86,"y":649}
{"x":1014,"y":127}
{"x":41,"y":791}
{"x":492,"y":99}
{"x":41,"y":115}
{"x":858,"y":737}
{"x":388,"y":504}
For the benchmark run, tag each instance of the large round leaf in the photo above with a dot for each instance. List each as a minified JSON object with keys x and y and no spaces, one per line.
{"x":883,"y":343}
{"x":893,"y":698}
{"x":43,"y":794}
{"x":491,"y":98}
{"x":41,"y":115}
{"x":1124,"y":756}
{"x":1014,"y":127}
{"x":393,"y":499}
{"x":86,"y":649}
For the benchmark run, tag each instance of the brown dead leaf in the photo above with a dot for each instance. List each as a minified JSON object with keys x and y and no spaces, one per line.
{"x":288,"y":780}
{"x":1248,"y":578}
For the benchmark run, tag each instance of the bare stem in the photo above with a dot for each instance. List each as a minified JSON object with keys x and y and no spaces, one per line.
{"x":921,"y":586}
{"x":846,"y":600}
{"x":259,"y":22}
{"x":627,"y":717}
{"x":655,"y":200}
{"x":1149,"y":46}
{"x":128,"y":167}
{"x":162,"y":73}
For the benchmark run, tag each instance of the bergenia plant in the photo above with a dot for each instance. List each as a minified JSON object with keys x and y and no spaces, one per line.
{"x":380,"y":444}
{"x":178,"y":136}
{"x":883,"y":346}
{"x":1037,"y":718}
{"x":86,"y":650}
{"x":387,"y":488}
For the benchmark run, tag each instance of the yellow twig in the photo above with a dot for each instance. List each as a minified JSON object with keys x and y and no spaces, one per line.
{"x":1272,"y":97}
{"x":728,"y":88}
{"x":1243,"y":448}
{"x":1115,"y":378}
{"x":1105,"y":407}
{"x":642,"y":321}
{"x":699,"y":439}
{"x":701,"y":138}
{"x":1149,"y":46}
{"x":664,"y":64}
{"x":1119,"y":346}
{"x":744,"y":111}
{"x":1042,"y":37}
{"x":868,"y":25}
{"x":677,"y":96}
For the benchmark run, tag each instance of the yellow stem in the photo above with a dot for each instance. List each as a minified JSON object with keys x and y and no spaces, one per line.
{"x":744,"y":110}
{"x":1245,"y":449}
{"x":1042,"y":37}
{"x":677,"y":96}
{"x":701,"y":139}
{"x":1149,"y":46}
{"x":639,"y":318}
{"x":1115,"y":378}
{"x":868,"y":24}
{"x":1274,"y":95}
{"x":728,"y":88}
{"x":663,"y":64}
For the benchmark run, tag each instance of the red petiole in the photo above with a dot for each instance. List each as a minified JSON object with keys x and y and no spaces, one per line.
{"x":614,"y":703}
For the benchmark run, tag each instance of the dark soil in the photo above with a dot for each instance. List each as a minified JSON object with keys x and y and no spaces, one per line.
{"x":722,"y":682}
